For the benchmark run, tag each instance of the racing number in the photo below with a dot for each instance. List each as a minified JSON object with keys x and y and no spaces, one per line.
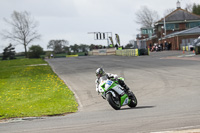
{"x":109,"y":82}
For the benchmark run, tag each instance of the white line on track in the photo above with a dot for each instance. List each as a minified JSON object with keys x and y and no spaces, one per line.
{"x":188,"y":129}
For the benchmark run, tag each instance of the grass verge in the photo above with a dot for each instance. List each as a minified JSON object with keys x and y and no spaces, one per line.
{"x":31,"y":91}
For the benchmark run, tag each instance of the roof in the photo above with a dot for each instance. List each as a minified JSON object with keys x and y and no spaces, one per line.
{"x":180,"y":15}
{"x":191,"y":31}
{"x":146,"y":28}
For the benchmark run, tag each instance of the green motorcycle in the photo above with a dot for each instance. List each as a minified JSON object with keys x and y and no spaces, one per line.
{"x":115,"y":94}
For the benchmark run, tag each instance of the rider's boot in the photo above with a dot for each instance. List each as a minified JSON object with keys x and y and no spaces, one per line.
{"x":126,"y":88}
{"x":128,"y":92}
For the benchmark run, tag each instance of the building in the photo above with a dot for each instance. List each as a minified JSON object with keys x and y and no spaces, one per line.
{"x":182,"y":38}
{"x":146,"y":32}
{"x":178,"y":28}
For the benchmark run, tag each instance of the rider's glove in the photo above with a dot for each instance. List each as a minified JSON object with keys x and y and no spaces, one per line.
{"x":97,"y":81}
{"x":113,"y":77}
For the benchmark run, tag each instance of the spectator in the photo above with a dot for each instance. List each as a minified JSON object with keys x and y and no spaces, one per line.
{"x":166,"y":45}
{"x":169,"y":46}
{"x":150,"y":45}
{"x":161,"y":46}
{"x":51,"y":55}
{"x":116,"y":46}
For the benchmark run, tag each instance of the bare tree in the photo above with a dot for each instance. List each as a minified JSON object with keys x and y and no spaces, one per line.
{"x":57,"y":45}
{"x":146,"y":17}
{"x":23,"y":29}
{"x":168,"y":11}
{"x":189,"y":7}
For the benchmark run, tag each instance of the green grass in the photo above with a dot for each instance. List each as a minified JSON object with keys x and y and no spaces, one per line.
{"x":32,"y":90}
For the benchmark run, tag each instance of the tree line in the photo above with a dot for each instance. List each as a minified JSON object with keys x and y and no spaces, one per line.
{"x":62,"y":46}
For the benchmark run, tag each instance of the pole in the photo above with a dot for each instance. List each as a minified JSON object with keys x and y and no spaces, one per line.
{"x":165,"y":26}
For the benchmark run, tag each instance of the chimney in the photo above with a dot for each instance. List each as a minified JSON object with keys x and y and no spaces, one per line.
{"x":178,"y":5}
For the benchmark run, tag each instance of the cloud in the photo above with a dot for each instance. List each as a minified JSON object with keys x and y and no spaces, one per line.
{"x":40,"y":8}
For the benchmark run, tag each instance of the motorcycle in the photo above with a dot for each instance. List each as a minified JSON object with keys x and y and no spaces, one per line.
{"x":115,"y":94}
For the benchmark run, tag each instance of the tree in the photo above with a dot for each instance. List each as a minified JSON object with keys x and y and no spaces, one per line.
{"x":196,"y":9}
{"x":9,"y":52}
{"x":129,"y":46}
{"x":83,"y":48}
{"x":66,"y":49}
{"x":146,"y":17}
{"x":74,"y":48}
{"x":91,"y":47}
{"x":23,"y":29}
{"x":57,"y":45}
{"x":189,"y":7}
{"x":35,"y":51}
{"x":168,"y":11}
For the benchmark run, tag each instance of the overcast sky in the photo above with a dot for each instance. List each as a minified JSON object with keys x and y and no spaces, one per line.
{"x":73,"y":19}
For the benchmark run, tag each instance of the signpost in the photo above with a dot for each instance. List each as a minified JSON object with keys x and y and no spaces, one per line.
{"x":102,"y":36}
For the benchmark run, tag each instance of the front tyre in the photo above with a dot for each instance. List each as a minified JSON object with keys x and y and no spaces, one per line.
{"x":114,"y":102}
{"x":133,"y":102}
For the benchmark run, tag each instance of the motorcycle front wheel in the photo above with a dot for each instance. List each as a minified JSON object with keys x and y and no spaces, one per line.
{"x":114,"y":102}
{"x":133,"y":102}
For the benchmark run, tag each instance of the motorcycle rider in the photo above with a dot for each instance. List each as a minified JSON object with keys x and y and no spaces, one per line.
{"x":102,"y":75}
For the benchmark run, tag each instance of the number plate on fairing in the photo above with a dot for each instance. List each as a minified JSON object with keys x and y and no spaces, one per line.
{"x":109,"y":82}
{"x":126,"y":101}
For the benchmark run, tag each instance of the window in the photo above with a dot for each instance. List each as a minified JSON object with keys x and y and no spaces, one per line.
{"x":192,"y":24}
{"x":172,"y":26}
{"x":147,"y":31}
{"x":144,"y":31}
{"x":176,"y":26}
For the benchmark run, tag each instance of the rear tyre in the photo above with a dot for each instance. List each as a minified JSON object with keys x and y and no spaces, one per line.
{"x":114,"y":102}
{"x":133,"y":102}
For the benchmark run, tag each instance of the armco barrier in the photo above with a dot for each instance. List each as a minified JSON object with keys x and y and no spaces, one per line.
{"x":71,"y":55}
{"x":127,"y":52}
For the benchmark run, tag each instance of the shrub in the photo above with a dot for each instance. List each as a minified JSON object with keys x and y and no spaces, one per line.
{"x":35,"y":51}
{"x":9,"y":52}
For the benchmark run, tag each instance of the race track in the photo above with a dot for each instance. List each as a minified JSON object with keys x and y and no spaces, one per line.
{"x":167,"y":89}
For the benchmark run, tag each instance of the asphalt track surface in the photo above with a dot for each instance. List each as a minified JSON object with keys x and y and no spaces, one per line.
{"x":167,"y":88}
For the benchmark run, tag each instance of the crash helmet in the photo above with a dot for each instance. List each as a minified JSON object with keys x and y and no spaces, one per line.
{"x":100,"y":72}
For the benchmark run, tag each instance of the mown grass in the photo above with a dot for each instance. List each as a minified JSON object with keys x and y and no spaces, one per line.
{"x":32,"y":90}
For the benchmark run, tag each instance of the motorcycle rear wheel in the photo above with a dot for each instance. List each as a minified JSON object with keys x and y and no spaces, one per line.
{"x":112,"y":101}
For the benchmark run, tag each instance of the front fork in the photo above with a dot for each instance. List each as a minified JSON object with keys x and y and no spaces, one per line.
{"x":125,"y":100}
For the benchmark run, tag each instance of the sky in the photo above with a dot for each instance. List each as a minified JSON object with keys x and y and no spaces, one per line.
{"x":72,"y":19}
